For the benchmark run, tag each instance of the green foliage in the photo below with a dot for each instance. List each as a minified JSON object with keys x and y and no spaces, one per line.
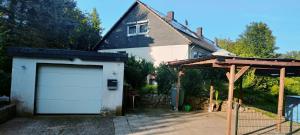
{"x":217,"y":95}
{"x":256,"y":41}
{"x":165,"y":78}
{"x":196,"y":82}
{"x":136,"y":71}
{"x":291,"y":55}
{"x":292,"y":85}
{"x":149,"y":89}
{"x":191,"y":83}
{"x":51,"y":24}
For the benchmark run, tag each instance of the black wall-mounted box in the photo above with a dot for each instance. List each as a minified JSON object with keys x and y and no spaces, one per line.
{"x":112,"y":84}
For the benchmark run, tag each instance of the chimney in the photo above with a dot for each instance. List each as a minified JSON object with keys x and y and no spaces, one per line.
{"x":170,"y":16}
{"x":216,"y":41}
{"x":199,"y":32}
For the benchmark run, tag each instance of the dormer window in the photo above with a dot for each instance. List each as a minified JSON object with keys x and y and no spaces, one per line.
{"x":137,"y":28}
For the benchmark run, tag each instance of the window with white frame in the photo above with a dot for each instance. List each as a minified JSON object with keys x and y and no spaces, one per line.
{"x":197,"y":54}
{"x":137,"y":28}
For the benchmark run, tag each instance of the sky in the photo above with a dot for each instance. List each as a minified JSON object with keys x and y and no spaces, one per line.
{"x":219,"y":18}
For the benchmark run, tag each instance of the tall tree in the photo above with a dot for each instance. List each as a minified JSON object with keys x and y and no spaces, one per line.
{"x":257,"y":41}
{"x":95,"y":20}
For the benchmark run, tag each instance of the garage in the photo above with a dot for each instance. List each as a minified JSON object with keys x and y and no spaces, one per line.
{"x":57,"y":81}
{"x":68,"y":89}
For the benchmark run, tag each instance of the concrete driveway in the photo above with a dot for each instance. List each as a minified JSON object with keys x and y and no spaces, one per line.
{"x":171,"y":123}
{"x":59,"y":125}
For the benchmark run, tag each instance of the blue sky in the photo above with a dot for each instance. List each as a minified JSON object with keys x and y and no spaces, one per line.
{"x":219,"y":18}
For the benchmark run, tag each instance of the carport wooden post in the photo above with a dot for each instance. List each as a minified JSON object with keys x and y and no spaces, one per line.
{"x":280,"y":98}
{"x":211,"y":95}
{"x":180,"y":73}
{"x":241,"y":94}
{"x":230,"y":97}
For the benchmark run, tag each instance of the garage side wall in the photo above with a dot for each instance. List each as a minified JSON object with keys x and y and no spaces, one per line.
{"x":23,"y":87}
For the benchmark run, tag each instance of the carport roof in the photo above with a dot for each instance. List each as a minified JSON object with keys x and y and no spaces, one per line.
{"x":65,"y":54}
{"x":262,"y":66}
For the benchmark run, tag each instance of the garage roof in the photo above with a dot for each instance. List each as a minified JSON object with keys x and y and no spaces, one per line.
{"x":65,"y":54}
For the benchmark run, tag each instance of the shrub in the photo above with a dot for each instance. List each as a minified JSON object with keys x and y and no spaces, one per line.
{"x":136,"y":71}
{"x":149,"y":89}
{"x":165,"y":78}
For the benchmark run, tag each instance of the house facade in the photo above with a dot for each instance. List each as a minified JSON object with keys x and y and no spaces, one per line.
{"x":146,"y":33}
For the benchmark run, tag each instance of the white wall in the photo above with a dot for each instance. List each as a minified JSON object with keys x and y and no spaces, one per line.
{"x":24,"y":79}
{"x":157,"y":54}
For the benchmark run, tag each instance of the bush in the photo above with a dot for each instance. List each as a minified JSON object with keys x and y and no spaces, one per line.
{"x":136,"y":72}
{"x":149,"y":89}
{"x":165,"y":78}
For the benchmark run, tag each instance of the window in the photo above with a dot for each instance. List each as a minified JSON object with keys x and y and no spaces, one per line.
{"x":132,"y":30}
{"x":143,"y":28}
{"x":197,"y":54}
{"x":137,"y":28}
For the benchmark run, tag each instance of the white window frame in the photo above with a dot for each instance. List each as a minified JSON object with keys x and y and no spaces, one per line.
{"x":137,"y":25}
{"x":131,"y":34}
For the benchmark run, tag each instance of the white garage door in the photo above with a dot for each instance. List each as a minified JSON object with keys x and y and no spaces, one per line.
{"x":65,"y":89}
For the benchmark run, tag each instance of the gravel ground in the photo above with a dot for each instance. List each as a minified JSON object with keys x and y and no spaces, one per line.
{"x":59,"y":125}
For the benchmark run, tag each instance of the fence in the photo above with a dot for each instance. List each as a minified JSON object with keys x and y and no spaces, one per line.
{"x":257,"y":122}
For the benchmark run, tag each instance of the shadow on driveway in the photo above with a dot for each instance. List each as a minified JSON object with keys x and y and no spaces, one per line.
{"x":59,"y":125}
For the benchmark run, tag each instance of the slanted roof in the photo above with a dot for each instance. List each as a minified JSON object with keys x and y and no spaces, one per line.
{"x":262,"y":66}
{"x":181,"y":29}
{"x":65,"y":54}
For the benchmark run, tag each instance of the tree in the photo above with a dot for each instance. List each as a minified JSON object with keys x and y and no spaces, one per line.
{"x":50,"y":24}
{"x":95,"y":20}
{"x":256,"y":41}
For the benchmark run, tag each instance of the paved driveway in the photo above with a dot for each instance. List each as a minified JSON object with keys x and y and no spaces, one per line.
{"x":59,"y":125}
{"x":171,"y":123}
{"x":142,"y":123}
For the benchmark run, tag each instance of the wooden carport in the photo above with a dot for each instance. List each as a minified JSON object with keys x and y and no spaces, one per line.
{"x":262,"y":66}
